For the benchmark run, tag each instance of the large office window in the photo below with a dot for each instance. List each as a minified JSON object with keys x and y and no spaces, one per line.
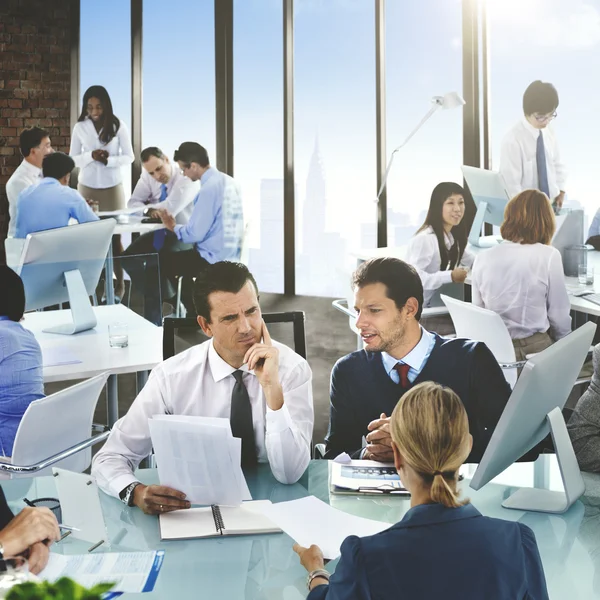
{"x":423,"y":59}
{"x":105,"y":57}
{"x":335,"y":141}
{"x":258,"y":134}
{"x":179,"y":75}
{"x":557,"y":41}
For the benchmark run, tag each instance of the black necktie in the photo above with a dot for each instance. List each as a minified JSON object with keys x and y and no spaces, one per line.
{"x":241,"y":419}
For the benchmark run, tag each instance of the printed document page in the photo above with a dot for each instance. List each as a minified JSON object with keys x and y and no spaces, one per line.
{"x":312,"y":521}
{"x":130,"y":571}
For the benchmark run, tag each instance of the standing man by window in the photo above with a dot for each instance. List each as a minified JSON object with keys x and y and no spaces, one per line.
{"x":529,"y":157}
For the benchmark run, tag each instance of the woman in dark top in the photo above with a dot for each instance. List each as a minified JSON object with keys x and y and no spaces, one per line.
{"x":443,"y":547}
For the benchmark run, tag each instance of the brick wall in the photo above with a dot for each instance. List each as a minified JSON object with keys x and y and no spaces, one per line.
{"x":34,"y":81}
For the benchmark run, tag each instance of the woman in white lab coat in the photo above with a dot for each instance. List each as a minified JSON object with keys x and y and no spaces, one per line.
{"x":100,"y":146}
{"x":438,"y":251}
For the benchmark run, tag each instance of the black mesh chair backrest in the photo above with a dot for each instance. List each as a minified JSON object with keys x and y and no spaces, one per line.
{"x":285,"y":327}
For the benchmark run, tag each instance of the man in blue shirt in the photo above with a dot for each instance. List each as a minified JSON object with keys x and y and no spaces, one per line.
{"x":51,"y":203}
{"x":21,"y":378}
{"x":216,"y":225}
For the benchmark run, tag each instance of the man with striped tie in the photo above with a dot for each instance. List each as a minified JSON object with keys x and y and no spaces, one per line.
{"x":162,"y":185}
{"x":398,"y":354}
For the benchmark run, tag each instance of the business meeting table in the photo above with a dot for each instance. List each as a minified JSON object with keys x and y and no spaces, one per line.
{"x":87,"y":354}
{"x":265,"y":567}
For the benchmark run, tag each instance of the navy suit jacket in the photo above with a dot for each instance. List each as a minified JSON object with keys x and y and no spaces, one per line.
{"x":439,"y":552}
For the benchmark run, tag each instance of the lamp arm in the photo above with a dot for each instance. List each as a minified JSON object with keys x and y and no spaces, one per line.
{"x":430,"y":112}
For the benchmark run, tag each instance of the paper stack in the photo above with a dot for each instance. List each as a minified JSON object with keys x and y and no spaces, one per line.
{"x":199,"y":457}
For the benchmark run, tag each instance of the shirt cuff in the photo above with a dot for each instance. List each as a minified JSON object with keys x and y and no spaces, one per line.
{"x":279,"y":420}
{"x":177,"y":231}
{"x":447,"y":276}
{"x":119,"y":483}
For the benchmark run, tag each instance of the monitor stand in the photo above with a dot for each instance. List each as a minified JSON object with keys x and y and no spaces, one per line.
{"x":547,"y":500}
{"x":475,"y":238}
{"x":81,"y":309}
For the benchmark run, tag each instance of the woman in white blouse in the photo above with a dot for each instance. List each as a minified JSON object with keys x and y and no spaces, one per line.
{"x":100,"y":146}
{"x":522,"y":278}
{"x":438,"y":251}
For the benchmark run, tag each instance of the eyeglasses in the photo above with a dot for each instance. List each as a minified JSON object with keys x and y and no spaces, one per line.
{"x":545,"y":118}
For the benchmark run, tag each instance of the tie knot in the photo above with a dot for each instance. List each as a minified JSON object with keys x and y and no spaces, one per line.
{"x":238,"y":376}
{"x":402,"y":370}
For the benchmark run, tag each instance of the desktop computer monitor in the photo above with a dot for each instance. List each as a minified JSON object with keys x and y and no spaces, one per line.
{"x":534,"y":408}
{"x":64,"y":265}
{"x":490,"y":196}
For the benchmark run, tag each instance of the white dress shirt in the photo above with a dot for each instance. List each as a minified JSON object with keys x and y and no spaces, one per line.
{"x":525,"y":285}
{"x":198,"y":382}
{"x":93,"y":173}
{"x":518,"y":164}
{"x":25,"y":175}
{"x":181,"y":192}
{"x":424,"y":255}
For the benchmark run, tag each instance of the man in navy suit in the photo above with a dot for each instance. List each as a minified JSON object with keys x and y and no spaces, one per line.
{"x":398,"y":354}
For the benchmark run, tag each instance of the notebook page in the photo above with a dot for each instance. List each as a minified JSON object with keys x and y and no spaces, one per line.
{"x":243,"y":519}
{"x":187,"y":524}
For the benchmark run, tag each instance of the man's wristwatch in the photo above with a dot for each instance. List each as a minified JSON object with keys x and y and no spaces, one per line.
{"x":1,"y":551}
{"x":126,"y":495}
{"x":317,"y":573}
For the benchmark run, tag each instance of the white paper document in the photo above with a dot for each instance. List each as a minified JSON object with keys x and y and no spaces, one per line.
{"x":312,"y":521}
{"x":199,"y":457}
{"x":130,"y":571}
{"x":56,"y":355}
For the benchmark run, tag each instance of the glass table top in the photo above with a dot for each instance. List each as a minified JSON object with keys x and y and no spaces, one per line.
{"x":265,"y":567}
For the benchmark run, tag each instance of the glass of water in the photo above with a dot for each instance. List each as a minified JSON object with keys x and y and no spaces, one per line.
{"x":118,"y":336}
{"x":586,"y":274}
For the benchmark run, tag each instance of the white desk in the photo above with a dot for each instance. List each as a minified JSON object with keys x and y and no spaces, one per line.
{"x":92,"y":349}
{"x":580,"y":305}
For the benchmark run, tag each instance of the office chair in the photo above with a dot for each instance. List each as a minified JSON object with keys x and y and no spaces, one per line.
{"x":181,"y":334}
{"x":55,"y":430}
{"x":476,"y":323}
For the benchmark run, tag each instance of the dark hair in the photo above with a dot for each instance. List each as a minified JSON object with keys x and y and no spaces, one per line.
{"x":31,"y":138}
{"x":147,"y":153}
{"x":190,"y":152}
{"x":110,"y":123}
{"x":12,"y":298}
{"x":57,"y":165}
{"x":441,"y":192}
{"x":540,"y":97}
{"x":400,"y":279}
{"x":224,"y":276}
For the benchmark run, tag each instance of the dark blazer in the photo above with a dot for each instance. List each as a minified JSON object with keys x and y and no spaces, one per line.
{"x":361,"y":390}
{"x":6,"y":514}
{"x":438,"y":552}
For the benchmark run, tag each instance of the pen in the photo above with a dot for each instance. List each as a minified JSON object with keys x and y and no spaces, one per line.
{"x":68,"y":527}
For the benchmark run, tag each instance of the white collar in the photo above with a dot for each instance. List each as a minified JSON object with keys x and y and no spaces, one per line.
{"x":531,"y":129}
{"x":415,"y":358}
{"x":218,"y":367}
{"x":31,"y":169}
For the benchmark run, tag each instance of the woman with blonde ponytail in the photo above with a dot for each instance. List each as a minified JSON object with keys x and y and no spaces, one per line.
{"x":443,"y":547}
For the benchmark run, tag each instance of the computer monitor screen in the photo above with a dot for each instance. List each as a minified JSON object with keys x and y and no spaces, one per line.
{"x":544,"y":384}
{"x":58,"y":264}
{"x":490,"y":196}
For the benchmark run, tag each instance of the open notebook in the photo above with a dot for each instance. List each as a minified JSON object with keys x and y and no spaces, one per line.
{"x":213,"y":521}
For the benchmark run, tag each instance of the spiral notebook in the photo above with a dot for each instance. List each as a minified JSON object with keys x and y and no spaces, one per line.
{"x":214,"y":521}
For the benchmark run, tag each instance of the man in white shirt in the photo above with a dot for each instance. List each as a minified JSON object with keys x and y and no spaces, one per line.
{"x":529,"y":157}
{"x":162,"y":185}
{"x":35,"y":144}
{"x":262,"y":386}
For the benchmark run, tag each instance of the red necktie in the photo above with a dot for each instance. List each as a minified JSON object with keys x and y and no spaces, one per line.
{"x":402,"y":370}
